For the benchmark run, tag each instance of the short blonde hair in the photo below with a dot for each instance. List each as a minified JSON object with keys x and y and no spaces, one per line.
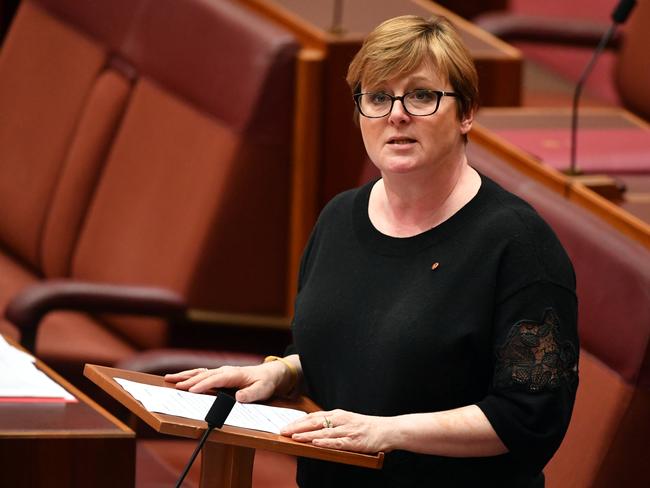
{"x":401,"y":45}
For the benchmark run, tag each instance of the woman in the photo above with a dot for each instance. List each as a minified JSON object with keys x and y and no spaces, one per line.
{"x":436,"y":315}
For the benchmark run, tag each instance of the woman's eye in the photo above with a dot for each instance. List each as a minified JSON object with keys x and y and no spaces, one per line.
{"x":379,"y":98}
{"x":423,"y":95}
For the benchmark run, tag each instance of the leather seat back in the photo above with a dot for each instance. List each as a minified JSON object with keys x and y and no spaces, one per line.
{"x":632,"y":75}
{"x":47,"y":71}
{"x":195,"y":191}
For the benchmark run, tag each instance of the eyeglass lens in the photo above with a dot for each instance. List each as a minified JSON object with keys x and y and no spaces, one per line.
{"x":418,"y":102}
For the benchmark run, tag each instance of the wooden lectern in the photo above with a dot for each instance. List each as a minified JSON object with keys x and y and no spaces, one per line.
{"x":227,"y":457}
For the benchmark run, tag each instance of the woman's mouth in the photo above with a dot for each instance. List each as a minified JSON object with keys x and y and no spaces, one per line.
{"x":401,"y":140}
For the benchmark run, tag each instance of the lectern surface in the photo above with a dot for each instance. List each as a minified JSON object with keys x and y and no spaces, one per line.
{"x":228,"y":435}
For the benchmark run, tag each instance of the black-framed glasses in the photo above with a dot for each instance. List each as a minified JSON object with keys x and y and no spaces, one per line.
{"x":418,"y":103}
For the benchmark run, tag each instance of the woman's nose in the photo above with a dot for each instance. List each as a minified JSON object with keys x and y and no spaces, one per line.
{"x":398,"y":114}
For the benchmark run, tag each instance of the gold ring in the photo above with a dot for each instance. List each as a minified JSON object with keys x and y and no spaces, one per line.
{"x":327,"y":423}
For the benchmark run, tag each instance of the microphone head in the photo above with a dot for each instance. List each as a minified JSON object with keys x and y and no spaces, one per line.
{"x":219,"y":410}
{"x":622,"y":11}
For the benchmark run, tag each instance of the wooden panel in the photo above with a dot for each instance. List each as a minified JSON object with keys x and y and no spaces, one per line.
{"x":230,"y":466}
{"x":342,"y":149}
{"x":67,"y":462}
{"x":64,"y":445}
{"x":306,"y":159}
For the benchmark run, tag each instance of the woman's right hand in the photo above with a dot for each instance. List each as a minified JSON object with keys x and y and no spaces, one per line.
{"x":253,"y":383}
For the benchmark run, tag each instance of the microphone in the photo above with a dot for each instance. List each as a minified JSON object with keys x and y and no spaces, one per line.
{"x":619,"y":16}
{"x":622,"y":11}
{"x":215,"y":418}
{"x":337,"y":18}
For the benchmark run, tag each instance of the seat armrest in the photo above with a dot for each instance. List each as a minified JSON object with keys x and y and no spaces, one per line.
{"x":531,"y":28}
{"x":27,"y":309}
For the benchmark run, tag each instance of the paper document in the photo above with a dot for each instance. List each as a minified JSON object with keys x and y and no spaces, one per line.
{"x":196,"y":405}
{"x":20,"y":379}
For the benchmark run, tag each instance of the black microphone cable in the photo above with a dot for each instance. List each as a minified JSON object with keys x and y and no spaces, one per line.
{"x":215,"y":418}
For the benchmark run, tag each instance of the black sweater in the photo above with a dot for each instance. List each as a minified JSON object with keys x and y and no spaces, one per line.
{"x":382,"y":330}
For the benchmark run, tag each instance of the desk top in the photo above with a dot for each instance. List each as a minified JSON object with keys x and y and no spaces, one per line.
{"x":496,"y":118}
{"x":609,"y":141}
{"x":81,"y":419}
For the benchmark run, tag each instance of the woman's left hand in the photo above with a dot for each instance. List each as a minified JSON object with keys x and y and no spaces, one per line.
{"x":339,"y":429}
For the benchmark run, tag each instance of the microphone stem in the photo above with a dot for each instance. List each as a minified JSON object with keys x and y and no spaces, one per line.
{"x":337,"y":17}
{"x":193,"y":457}
{"x":576,"y":95}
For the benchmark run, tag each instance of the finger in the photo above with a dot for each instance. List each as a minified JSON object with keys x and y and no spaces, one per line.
{"x":322,"y":433}
{"x":183,"y":375}
{"x":198,"y":377}
{"x":257,"y":391}
{"x":341,"y":443}
{"x":344,"y":444}
{"x":305,"y":424}
{"x":225,"y":377}
{"x":313,"y":421}
{"x":200,"y":384}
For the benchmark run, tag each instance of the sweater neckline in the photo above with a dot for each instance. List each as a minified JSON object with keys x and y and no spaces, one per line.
{"x":382,"y":243}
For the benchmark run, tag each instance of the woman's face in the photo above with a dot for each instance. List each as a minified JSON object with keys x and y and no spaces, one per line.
{"x":401,"y":143}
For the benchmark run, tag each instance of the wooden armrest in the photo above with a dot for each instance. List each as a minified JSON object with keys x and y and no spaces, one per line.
{"x":210,"y":317}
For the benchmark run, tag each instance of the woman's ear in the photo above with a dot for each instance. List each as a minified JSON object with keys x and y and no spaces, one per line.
{"x":466,"y":122}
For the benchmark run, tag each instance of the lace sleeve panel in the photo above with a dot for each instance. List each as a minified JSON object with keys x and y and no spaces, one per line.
{"x":534,"y":358}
